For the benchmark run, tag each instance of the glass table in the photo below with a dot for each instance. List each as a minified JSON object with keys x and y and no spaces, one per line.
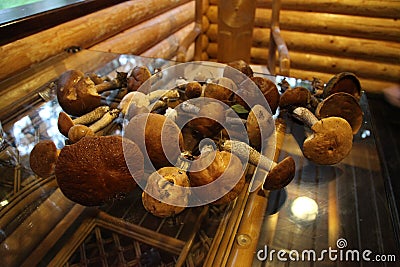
{"x":339,"y":215}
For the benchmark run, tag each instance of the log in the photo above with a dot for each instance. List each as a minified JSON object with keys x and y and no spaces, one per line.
{"x":325,"y":23}
{"x":83,"y":32}
{"x":146,"y":34}
{"x":368,"y":85}
{"x":169,"y":46}
{"x":374,"y":50}
{"x":314,"y":62}
{"x":328,"y":64}
{"x":205,"y":24}
{"x":380,"y":9}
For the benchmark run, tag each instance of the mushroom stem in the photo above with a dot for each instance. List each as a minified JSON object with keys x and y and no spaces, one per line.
{"x":92,"y":116}
{"x":279,"y":174}
{"x":242,"y":150}
{"x":118,"y":82}
{"x":105,"y":120}
{"x":305,"y":115}
{"x":78,"y":131}
{"x":163,"y":95}
{"x":65,"y":122}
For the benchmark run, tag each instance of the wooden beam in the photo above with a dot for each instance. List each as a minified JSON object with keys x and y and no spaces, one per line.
{"x":368,"y":85}
{"x":330,"y":45}
{"x":333,"y":64}
{"x":381,"y":9}
{"x":84,"y":32}
{"x":326,"y":23}
{"x":141,"y":37}
{"x":169,"y":46}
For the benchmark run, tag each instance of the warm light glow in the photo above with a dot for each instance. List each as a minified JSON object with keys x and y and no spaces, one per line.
{"x":304,"y":209}
{"x":3,"y":203}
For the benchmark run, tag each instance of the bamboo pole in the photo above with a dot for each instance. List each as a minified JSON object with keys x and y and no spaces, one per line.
{"x":84,"y":32}
{"x":146,"y":34}
{"x":326,"y":23}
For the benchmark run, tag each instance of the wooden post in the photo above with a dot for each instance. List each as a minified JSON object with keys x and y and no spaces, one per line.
{"x":235,"y":27}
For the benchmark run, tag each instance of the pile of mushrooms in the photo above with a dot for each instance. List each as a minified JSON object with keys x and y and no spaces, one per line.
{"x":92,"y":169}
{"x":332,"y":112}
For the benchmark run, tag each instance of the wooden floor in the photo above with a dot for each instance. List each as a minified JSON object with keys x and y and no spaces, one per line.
{"x":386,"y":122}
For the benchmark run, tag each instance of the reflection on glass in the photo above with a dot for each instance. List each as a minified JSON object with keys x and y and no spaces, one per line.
{"x":304,"y":209}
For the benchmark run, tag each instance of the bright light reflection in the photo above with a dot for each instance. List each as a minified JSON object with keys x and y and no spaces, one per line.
{"x":304,"y":209}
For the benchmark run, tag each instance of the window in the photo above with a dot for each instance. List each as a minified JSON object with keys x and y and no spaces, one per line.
{"x":20,"y":18}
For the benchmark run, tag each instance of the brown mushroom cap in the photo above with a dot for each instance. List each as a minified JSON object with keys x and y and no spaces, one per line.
{"x":159,"y":138}
{"x":241,"y":66}
{"x":78,"y":131}
{"x":331,"y":141}
{"x":94,"y":170}
{"x":165,"y":185}
{"x":281,"y":175}
{"x":260,"y":124}
{"x":64,"y":123}
{"x":138,"y":76}
{"x":343,"y":82}
{"x":342,"y":105}
{"x":77,"y":93}
{"x":208,"y":120}
{"x":193,"y":90}
{"x":43,"y":157}
{"x":269,"y":90}
{"x":225,"y":167}
{"x":295,"y":97}
{"x":218,"y":92}
{"x":249,"y":95}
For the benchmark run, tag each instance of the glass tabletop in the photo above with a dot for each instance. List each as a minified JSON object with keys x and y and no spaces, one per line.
{"x":337,"y":215}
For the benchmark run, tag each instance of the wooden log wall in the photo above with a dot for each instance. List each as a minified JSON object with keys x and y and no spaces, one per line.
{"x":129,"y":27}
{"x":325,"y":37}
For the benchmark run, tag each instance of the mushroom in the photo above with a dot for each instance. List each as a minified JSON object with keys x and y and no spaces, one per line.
{"x":241,"y":66}
{"x":343,"y":82}
{"x":332,"y":137}
{"x":260,"y":124}
{"x":43,"y":157}
{"x":159,"y":138}
{"x":193,"y":90}
{"x":79,"y":131}
{"x":65,"y":122}
{"x":98,"y":169}
{"x":209,"y":118}
{"x":269,"y":90}
{"x":163,"y":195}
{"x":342,"y":105}
{"x":138,"y":76}
{"x":277,"y":178}
{"x":218,"y":92}
{"x":221,"y":168}
{"x":134,"y":103}
{"x":247,"y":96}
{"x":77,"y":94}
{"x":295,"y":97}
